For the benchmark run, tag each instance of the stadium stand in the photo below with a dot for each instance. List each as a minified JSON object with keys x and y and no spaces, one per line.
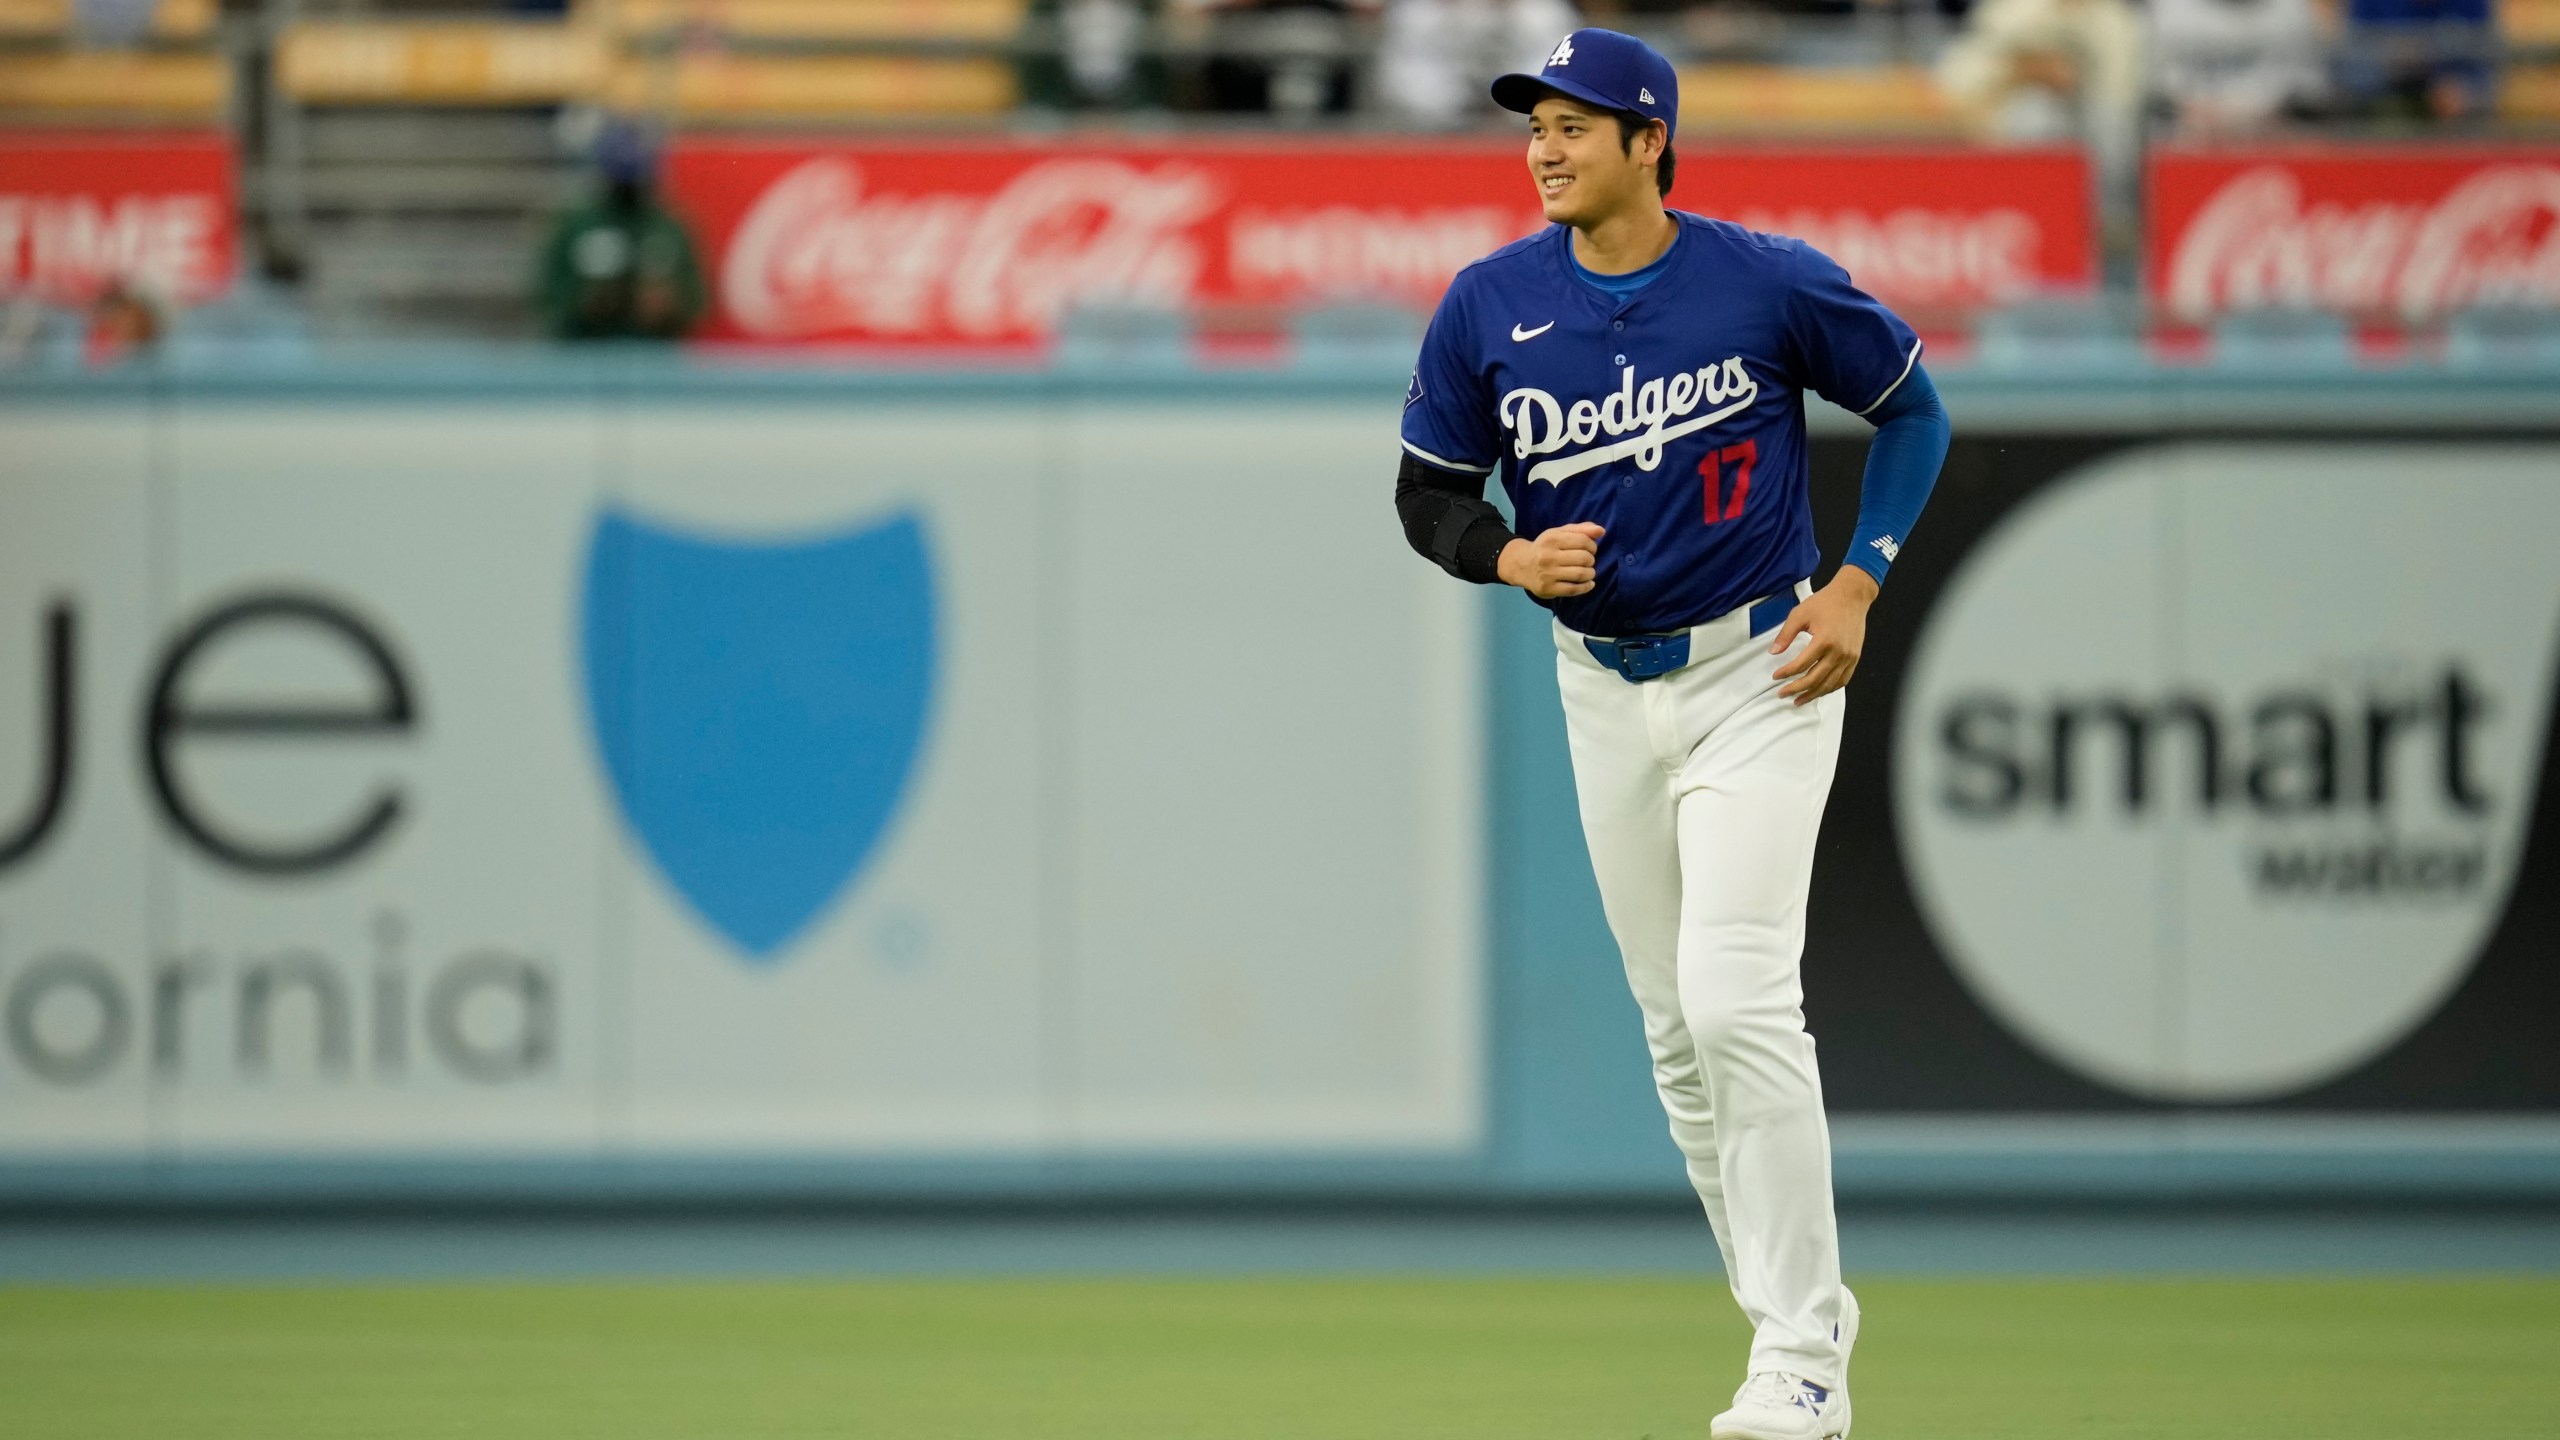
{"x":413,"y":158}
{"x":403,"y":155}
{"x":1765,"y":99}
{"x":167,"y":21}
{"x":2529,"y":33}
{"x":90,"y":87}
{"x":166,"y":72}
{"x":409,"y":162}
{"x":924,"y":22}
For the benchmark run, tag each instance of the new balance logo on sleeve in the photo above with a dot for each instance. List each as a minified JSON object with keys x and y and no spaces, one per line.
{"x":1888,"y":547}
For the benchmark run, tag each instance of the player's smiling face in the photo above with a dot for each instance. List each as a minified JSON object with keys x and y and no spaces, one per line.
{"x":1583,"y":174}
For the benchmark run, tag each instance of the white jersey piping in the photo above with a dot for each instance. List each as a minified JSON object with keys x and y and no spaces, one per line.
{"x":1914,"y":359}
{"x":1458,"y":465}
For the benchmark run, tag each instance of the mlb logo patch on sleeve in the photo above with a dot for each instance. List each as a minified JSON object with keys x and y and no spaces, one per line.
{"x":1413,"y":389}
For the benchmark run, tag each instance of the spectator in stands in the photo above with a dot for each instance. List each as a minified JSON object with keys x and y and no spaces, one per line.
{"x":2224,"y":66}
{"x":121,"y":324}
{"x":621,"y":266}
{"x":1289,"y":58}
{"x":1435,"y":57}
{"x":1092,"y":55}
{"x":2050,"y":70}
{"x":2420,"y":59}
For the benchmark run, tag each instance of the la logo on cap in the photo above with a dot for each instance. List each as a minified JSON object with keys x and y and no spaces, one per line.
{"x":1563,"y":55}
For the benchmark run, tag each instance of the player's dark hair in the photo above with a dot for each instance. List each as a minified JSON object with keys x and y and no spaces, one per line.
{"x":1631,"y":123}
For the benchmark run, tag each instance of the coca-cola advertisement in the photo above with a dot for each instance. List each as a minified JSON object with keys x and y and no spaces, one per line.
{"x":80,"y":212}
{"x":986,"y":245}
{"x":2397,"y":234}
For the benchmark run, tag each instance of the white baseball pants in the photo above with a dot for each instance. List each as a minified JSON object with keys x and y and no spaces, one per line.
{"x":1701,"y":794}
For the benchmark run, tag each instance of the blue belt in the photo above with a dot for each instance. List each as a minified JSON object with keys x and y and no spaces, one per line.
{"x":1639,"y":658}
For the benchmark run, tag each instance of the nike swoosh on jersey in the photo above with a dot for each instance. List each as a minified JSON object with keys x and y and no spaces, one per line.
{"x":1519,"y":334}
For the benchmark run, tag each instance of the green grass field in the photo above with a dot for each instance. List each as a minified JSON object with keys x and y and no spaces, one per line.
{"x":1227,"y":1359}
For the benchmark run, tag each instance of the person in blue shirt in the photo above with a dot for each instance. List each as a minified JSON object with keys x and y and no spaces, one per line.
{"x":2419,"y":59}
{"x":1636,"y":376}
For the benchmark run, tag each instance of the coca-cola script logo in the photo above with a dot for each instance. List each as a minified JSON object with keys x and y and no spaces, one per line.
{"x":816,"y":254}
{"x":2493,"y":238}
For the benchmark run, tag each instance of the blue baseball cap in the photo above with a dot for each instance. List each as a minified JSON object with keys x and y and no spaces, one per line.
{"x":1604,"y":68}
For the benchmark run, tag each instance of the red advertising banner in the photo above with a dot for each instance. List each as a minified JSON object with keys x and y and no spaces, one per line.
{"x":2401,"y":233}
{"x":1923,"y":230}
{"x":78,"y":211}
{"x":987,"y":244}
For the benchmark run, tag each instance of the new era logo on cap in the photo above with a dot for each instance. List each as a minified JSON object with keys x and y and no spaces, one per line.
{"x":1599,"y":67}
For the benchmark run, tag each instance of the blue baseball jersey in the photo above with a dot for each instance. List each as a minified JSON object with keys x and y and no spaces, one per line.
{"x":1672,"y":417}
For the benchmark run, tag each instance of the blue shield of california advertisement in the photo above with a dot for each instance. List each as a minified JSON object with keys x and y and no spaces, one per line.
{"x":759,"y":706}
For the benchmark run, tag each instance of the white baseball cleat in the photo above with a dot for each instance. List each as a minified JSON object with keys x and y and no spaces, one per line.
{"x":1777,"y":1405}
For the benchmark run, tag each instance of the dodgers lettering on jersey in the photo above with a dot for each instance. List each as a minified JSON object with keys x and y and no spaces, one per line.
{"x":1672,"y":417}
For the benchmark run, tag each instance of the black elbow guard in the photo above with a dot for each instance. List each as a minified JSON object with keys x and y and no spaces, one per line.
{"x":1469,"y":539}
{"x":1461,"y":533}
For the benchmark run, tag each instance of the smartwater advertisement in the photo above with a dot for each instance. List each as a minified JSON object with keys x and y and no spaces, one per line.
{"x":2201,"y":772}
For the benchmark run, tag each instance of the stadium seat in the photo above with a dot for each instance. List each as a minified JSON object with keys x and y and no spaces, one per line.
{"x":2530,"y":94}
{"x":983,"y":21}
{"x":536,"y":63}
{"x":329,"y":62}
{"x":1746,"y":99}
{"x":52,"y":19}
{"x":119,"y":86}
{"x":748,"y":88}
{"x":2529,"y":24}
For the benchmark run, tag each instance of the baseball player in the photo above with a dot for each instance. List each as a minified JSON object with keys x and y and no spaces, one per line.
{"x":1637,"y":375}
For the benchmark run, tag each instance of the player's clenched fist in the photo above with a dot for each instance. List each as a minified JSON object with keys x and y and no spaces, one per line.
{"x":1563,"y":561}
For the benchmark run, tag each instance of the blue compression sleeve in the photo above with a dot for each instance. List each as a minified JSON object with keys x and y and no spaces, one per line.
{"x":1902,"y":467}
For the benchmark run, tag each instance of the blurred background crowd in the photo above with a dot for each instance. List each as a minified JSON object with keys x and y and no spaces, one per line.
{"x":489,"y":167}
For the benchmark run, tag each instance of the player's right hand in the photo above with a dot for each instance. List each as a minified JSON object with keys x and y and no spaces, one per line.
{"x":1563,"y":561}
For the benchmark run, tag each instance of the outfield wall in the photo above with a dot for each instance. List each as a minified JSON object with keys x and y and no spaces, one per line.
{"x":533,"y":776}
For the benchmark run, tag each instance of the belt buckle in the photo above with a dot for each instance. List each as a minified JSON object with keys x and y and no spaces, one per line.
{"x":1638,"y":658}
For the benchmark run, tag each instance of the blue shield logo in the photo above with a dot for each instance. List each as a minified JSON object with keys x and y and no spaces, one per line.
{"x":759,"y":707}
